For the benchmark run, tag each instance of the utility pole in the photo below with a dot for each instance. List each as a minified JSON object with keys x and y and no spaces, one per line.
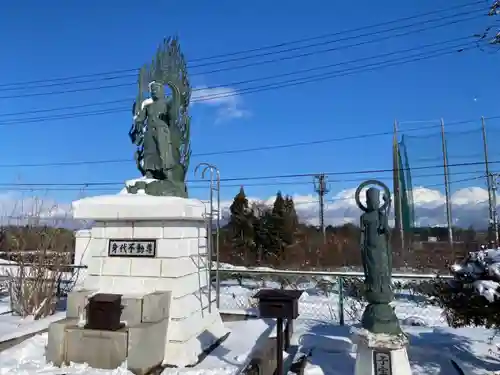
{"x":493,"y":178}
{"x":321,"y":188}
{"x":447,"y":185}
{"x":489,"y":181}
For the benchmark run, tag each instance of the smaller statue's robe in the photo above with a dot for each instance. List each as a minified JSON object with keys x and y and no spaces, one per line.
{"x":376,"y":257}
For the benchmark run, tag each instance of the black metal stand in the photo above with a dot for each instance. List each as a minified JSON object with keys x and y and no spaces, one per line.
{"x":279,"y":346}
{"x":287,"y":334}
{"x":279,"y":304}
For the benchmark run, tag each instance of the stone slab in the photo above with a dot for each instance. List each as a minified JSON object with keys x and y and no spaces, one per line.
{"x":99,"y":349}
{"x":76,"y":302}
{"x":146,"y":343}
{"x":379,"y":340}
{"x":138,"y":207}
{"x":156,"y":306}
{"x":132,"y":310}
{"x":56,"y":342}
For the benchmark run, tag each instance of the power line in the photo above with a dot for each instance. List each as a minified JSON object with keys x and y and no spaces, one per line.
{"x":82,"y":187}
{"x":233,"y":84}
{"x":262,"y":88}
{"x":258,"y":63}
{"x":269,"y":177}
{"x":326,"y":201}
{"x":299,"y":203}
{"x":279,"y":45}
{"x":246,"y":150}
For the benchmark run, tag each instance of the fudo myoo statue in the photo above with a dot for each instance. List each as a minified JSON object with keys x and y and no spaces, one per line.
{"x":376,"y":255}
{"x":161,"y":125}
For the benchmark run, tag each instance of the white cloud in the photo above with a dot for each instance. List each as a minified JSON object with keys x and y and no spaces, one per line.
{"x":469,"y":207}
{"x":23,"y":209}
{"x":225,"y":99}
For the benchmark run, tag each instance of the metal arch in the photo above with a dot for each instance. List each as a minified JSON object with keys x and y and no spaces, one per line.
{"x":214,"y":188}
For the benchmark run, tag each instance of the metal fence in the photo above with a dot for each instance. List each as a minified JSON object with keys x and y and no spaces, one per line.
{"x":330,"y":296}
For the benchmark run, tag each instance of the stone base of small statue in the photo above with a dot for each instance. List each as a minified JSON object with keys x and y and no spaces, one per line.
{"x":381,"y":318}
{"x":158,"y":188}
{"x":380,"y":353}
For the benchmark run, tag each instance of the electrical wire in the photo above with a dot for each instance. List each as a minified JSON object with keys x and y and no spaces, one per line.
{"x":283,"y":44}
{"x":235,"y":84}
{"x":84,"y":189}
{"x":298,"y":203}
{"x":254,"y":178}
{"x":255,"y":89}
{"x":286,"y":58}
{"x":251,"y":149}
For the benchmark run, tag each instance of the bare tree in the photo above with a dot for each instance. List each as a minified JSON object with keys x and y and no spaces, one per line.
{"x":39,"y":249}
{"x":490,"y":38}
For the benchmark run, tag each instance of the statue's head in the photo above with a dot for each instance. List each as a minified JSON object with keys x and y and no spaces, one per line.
{"x":372,"y":199}
{"x":157,"y":90}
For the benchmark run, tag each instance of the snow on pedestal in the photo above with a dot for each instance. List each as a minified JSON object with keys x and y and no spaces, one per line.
{"x":179,"y":264}
{"x":380,"y":354}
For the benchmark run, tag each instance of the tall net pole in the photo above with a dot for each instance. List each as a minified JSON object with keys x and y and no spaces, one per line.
{"x":446,"y":185}
{"x":488,"y":182}
{"x":398,"y":210}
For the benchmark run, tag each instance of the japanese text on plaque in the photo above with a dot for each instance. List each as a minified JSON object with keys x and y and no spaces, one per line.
{"x":382,"y":363}
{"x":132,"y":248}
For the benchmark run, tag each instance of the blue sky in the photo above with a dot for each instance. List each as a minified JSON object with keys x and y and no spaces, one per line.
{"x":52,"y":39}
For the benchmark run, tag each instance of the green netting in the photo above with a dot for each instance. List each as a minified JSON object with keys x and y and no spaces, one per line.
{"x":421,"y":166}
{"x":466,"y":164}
{"x":406,"y":188}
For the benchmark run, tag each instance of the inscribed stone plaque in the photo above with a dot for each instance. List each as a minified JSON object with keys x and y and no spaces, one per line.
{"x":382,"y":363}
{"x":132,"y":248}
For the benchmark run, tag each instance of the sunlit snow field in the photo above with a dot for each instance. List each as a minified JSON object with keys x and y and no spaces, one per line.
{"x":317,"y":331}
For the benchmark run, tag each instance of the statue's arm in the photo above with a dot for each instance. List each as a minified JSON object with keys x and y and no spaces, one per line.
{"x":140,"y":116}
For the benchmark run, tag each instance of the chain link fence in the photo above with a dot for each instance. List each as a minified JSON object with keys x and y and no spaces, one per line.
{"x":331,"y":296}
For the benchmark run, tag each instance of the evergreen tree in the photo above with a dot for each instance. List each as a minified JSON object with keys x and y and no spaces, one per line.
{"x":241,"y":224}
{"x":292,"y":219}
{"x":279,"y":231}
{"x":261,"y":226}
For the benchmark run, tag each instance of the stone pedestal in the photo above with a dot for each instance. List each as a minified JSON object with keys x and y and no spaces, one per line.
{"x":380,"y":354}
{"x":179,"y":265}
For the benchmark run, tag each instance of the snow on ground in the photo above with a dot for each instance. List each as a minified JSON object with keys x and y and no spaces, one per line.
{"x":4,"y":305}
{"x":317,"y":330}
{"x":430,"y":350}
{"x":12,"y":326}
{"x":324,"y":304}
{"x":331,"y":352}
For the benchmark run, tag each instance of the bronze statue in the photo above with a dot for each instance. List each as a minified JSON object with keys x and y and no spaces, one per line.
{"x":376,"y":255}
{"x":161,"y":125}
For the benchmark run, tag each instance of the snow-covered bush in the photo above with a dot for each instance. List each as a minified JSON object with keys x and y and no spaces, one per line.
{"x":473,"y":297}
